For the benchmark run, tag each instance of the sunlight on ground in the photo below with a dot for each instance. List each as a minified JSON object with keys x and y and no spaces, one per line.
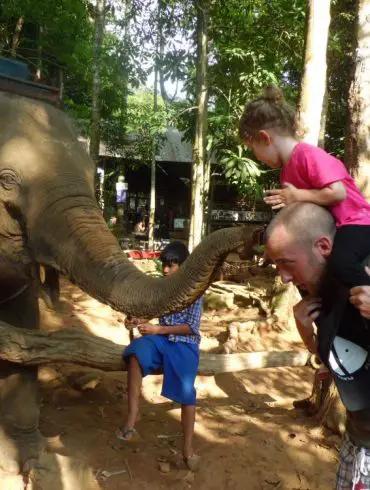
{"x":247,"y":433}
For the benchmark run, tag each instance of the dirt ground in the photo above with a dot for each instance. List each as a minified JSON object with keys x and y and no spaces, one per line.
{"x":247,"y":433}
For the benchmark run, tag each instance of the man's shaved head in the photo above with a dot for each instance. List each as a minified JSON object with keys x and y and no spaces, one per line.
{"x":300,"y":240}
{"x":304,"y":221}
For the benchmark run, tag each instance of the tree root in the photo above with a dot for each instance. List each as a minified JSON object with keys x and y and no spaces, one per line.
{"x":324,"y":405}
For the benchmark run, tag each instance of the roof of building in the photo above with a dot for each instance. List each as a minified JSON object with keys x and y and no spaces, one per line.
{"x":174,"y":148}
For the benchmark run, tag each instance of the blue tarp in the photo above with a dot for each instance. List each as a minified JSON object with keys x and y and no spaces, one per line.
{"x":14,"y":68}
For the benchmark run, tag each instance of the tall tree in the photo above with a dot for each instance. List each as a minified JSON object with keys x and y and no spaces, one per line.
{"x":358,"y":138}
{"x":126,"y":41}
{"x":16,"y":36}
{"x":96,"y":84}
{"x":340,"y":65}
{"x":38,"y":73}
{"x":314,"y":75}
{"x":153,"y":167}
{"x":201,"y":125}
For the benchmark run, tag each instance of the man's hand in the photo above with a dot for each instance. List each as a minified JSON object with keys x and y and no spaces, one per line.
{"x":149,"y":329}
{"x":307,"y":311}
{"x":359,"y":296}
{"x":278,"y":198}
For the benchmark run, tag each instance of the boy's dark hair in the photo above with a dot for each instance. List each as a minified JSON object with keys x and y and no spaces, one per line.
{"x":267,"y":112}
{"x":174,"y":253}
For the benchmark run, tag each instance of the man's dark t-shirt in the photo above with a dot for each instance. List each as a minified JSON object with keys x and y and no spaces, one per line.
{"x":344,"y":346}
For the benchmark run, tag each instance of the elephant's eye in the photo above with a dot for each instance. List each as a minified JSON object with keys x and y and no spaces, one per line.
{"x":8,"y":179}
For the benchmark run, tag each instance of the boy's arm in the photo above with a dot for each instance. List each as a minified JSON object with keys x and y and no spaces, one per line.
{"x":149,"y":329}
{"x":191,"y":318}
{"x":175,"y":329}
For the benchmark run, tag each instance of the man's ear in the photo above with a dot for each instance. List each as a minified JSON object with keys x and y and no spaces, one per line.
{"x":264,"y":137}
{"x":324,"y":245}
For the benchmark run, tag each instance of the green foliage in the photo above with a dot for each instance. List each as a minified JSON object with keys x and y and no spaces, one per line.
{"x":252,"y":43}
{"x":146,"y":126}
{"x":242,"y":171}
{"x":62,"y":30}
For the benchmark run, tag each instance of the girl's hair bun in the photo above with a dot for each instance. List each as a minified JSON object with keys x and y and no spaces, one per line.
{"x":273,"y":94}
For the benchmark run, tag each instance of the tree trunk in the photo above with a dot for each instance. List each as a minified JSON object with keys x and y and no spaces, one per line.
{"x":314,"y":76}
{"x":324,"y":115}
{"x":100,"y":177}
{"x":161,"y":45}
{"x":152,"y":203}
{"x":126,"y":37}
{"x":206,"y":196}
{"x":61,"y":88}
{"x":33,"y":347}
{"x":358,"y":144}
{"x":16,"y":36}
{"x":95,"y":109}
{"x":153,"y":165}
{"x":38,"y":73}
{"x":201,"y":128}
{"x":324,"y":404}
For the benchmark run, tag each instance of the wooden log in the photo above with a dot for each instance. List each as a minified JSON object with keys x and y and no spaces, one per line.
{"x":232,"y":363}
{"x":33,"y":347}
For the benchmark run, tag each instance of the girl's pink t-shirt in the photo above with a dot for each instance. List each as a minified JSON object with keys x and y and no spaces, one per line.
{"x":311,"y":167}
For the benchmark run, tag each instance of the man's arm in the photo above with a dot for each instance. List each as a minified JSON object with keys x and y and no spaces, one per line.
{"x":308,"y":337}
{"x":359,"y":296}
{"x":305,"y":313}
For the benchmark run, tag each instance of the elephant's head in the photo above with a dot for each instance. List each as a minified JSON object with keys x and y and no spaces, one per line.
{"x":49,"y":215}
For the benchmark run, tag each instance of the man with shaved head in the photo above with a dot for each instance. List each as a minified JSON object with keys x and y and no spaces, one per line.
{"x":300,"y":240}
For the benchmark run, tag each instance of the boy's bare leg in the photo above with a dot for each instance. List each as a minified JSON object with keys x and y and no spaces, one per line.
{"x":187,"y":422}
{"x":134,"y":382}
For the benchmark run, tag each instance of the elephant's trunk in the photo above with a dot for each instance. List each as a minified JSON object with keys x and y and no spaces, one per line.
{"x":81,"y":246}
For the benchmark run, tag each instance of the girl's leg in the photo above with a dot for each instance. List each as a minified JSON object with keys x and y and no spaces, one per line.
{"x":187,"y":422}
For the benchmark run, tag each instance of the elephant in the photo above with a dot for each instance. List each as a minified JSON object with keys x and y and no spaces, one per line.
{"x":49,"y":216}
{"x":49,"y":286}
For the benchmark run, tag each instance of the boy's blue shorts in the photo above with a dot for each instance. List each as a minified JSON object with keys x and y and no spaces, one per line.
{"x":178,"y":360}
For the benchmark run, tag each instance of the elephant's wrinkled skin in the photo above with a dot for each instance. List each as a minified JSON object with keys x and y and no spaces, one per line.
{"x":49,"y":216}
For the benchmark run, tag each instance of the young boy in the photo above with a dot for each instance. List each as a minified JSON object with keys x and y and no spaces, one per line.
{"x":171,"y":347}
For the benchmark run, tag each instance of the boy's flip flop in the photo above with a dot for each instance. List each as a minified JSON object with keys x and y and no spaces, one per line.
{"x":193,"y":462}
{"x":126,"y":434}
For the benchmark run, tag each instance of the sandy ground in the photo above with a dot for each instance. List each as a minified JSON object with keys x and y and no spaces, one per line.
{"x":247,"y":433}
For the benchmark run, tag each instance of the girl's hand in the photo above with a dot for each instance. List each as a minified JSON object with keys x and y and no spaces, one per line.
{"x":278,"y":198}
{"x":149,"y":329}
{"x":307,"y":311}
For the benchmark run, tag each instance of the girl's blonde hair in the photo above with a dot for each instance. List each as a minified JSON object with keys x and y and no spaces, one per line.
{"x":269,"y":111}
